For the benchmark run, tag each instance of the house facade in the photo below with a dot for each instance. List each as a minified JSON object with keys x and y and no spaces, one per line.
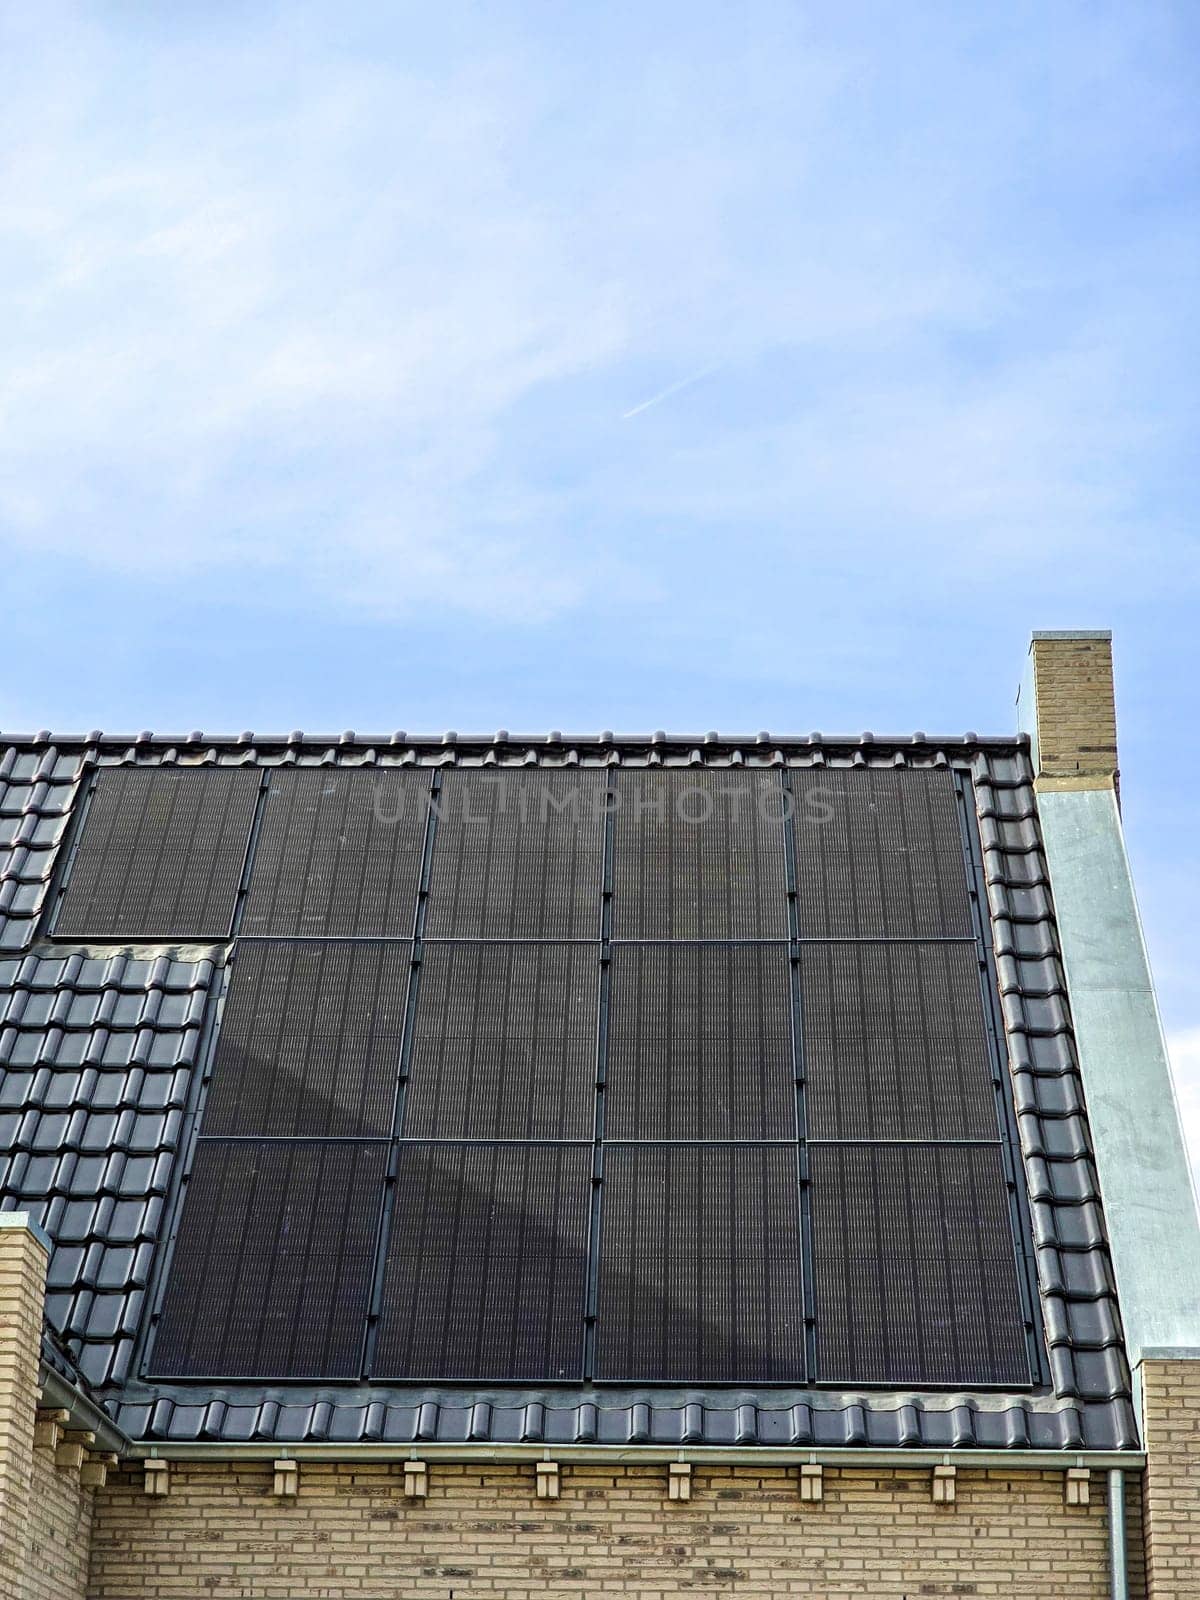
{"x":663,"y":1165}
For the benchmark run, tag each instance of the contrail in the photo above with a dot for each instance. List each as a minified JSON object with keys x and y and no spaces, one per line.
{"x":665,"y":394}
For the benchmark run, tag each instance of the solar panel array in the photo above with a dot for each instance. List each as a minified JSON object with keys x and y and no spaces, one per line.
{"x":645,"y":1075}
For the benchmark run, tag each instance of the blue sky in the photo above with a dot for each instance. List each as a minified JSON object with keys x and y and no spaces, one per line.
{"x":689,"y":366}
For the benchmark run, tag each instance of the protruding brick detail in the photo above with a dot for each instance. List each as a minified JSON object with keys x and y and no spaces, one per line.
{"x":945,"y":1486}
{"x":1074,"y":711}
{"x":23,"y":1260}
{"x":679,"y":1481}
{"x":1077,"y":1486}
{"x":1171,"y":1486}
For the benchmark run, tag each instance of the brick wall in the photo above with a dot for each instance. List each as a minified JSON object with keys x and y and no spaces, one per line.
{"x":1076,"y":712}
{"x":22,"y":1286}
{"x":59,"y":1532}
{"x":1171,"y":1486}
{"x":482,"y":1532}
{"x":45,"y":1511}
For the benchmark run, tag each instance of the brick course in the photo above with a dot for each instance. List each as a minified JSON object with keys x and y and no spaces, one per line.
{"x":1171,"y":1485}
{"x":1076,"y":712}
{"x":481,"y":1532}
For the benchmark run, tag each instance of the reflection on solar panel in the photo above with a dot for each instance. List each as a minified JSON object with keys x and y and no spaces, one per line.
{"x":160,"y":855}
{"x":310,"y":1040}
{"x":894,"y":1042}
{"x":699,"y":854}
{"x":339,"y":853}
{"x":700,"y":1043}
{"x":505,"y":1042}
{"x":487,"y":1263}
{"x":518,"y":855}
{"x":272,"y":1266}
{"x":914,"y":1267}
{"x":879,"y":854}
{"x":700,"y":1265}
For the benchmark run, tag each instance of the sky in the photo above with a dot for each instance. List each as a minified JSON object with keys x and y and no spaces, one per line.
{"x":645,"y":366}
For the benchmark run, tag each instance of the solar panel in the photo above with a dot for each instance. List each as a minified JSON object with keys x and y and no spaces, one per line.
{"x":160,"y":854}
{"x":878,"y":854}
{"x":504,"y":1042}
{"x":914,"y":1269}
{"x":339,"y":853}
{"x":272,"y":1268}
{"x":310,"y":1040}
{"x":518,"y":855}
{"x":700,"y":1275}
{"x":698,"y":854}
{"x":894,"y":1042}
{"x":700,"y":1043}
{"x":487,"y":1263}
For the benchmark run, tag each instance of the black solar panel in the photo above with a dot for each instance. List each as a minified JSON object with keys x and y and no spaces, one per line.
{"x":894,"y":1042}
{"x":272,"y":1268}
{"x":914,"y":1269}
{"x":700,"y":1043}
{"x":879,"y":853}
{"x":518,"y":855}
{"x":487,"y":1263}
{"x":310,"y":1041}
{"x":160,"y":855}
{"x":700,"y":1275}
{"x":505,"y":1042}
{"x":339,"y":853}
{"x":698,"y":854}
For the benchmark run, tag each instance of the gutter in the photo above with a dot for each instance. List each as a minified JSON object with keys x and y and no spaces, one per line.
{"x":633,"y":1455}
{"x":58,"y":1393}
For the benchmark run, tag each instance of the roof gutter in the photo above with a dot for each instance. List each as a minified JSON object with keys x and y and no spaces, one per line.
{"x":635,"y":1455}
{"x":58,"y":1393}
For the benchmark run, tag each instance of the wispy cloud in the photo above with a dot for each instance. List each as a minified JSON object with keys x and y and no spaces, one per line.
{"x":665,"y":394}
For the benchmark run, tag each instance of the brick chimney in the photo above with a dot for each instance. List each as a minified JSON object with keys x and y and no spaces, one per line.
{"x":1068,"y":707}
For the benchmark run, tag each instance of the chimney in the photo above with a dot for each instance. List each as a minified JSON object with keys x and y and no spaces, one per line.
{"x":1066,"y":705}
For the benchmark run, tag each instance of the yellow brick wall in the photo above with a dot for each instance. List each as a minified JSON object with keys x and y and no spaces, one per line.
{"x":22,"y":1287}
{"x":1171,"y":1488}
{"x":1076,"y":711}
{"x":482,"y":1532}
{"x":59,"y":1533}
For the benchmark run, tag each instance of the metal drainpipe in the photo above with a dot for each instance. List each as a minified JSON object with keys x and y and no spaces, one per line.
{"x":1118,"y":1569}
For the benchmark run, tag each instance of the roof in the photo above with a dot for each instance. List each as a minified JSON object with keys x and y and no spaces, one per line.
{"x":102,"y":1052}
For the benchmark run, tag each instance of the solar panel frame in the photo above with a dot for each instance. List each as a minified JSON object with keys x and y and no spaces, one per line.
{"x":272,"y":1262}
{"x":699,"y":1043}
{"x":895,"y":869}
{"x":680,"y":834}
{"x":694,"y":1286}
{"x":310,"y":1041}
{"x":339,"y":853}
{"x":506,"y":1313}
{"x":490,"y":824}
{"x":895,"y":1042}
{"x":915,"y":1274}
{"x":160,"y":854}
{"x":504,"y":1042}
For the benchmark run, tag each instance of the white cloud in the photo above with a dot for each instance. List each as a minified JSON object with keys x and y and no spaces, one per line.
{"x":357,"y":316}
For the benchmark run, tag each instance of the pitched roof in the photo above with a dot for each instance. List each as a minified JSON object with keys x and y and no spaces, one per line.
{"x":104,"y":1049}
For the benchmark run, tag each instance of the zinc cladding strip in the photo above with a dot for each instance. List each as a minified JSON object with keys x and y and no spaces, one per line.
{"x":1088,"y":1410}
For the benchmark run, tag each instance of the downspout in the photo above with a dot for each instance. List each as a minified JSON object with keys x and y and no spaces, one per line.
{"x":1118,"y":1569}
